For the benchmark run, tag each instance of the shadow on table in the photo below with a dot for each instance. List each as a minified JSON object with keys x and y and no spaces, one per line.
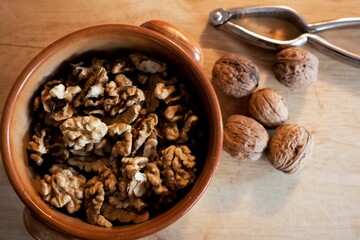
{"x":255,"y":185}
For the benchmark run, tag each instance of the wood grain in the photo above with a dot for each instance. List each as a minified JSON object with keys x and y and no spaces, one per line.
{"x":245,"y":200}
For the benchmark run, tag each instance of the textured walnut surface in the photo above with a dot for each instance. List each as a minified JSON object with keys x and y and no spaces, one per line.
{"x":244,"y":138}
{"x":268,"y":107}
{"x":290,"y":148}
{"x":63,"y":188}
{"x":296,"y":67}
{"x":235,"y":75}
{"x":118,"y":137}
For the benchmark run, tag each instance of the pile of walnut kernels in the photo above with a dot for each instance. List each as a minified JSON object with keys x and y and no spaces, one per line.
{"x":245,"y":137}
{"x":112,"y":141}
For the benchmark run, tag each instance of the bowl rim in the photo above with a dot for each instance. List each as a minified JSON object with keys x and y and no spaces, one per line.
{"x":154,"y":224}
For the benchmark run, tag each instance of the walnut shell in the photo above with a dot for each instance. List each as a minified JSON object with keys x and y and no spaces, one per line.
{"x":296,"y":67}
{"x":244,"y":138}
{"x":290,"y":147}
{"x":236,"y":76}
{"x":268,"y":107}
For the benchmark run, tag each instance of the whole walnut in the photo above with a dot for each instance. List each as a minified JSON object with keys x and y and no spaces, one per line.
{"x":244,"y":138}
{"x":235,"y":75}
{"x":296,"y":67}
{"x":290,"y":147}
{"x":268,"y":107}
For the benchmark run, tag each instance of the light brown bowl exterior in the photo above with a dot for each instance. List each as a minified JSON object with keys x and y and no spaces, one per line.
{"x":16,"y":121}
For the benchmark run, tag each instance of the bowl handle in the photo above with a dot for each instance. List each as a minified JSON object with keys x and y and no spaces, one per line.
{"x":186,"y":42}
{"x":40,"y":230}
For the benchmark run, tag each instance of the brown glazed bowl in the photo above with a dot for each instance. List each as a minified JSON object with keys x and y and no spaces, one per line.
{"x":154,"y":37}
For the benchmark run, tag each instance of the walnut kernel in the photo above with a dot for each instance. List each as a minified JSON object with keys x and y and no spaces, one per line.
{"x":63,"y":188}
{"x":290,"y":148}
{"x":296,"y":67}
{"x":179,"y":166}
{"x":244,"y":138}
{"x":94,"y":199}
{"x":117,"y":136}
{"x":122,"y":215}
{"x":235,"y":75}
{"x":80,"y":131}
{"x":38,"y":147}
{"x":268,"y":107}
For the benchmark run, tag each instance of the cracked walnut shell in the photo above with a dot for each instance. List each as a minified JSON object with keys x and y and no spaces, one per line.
{"x":244,"y":138}
{"x":236,"y":76}
{"x":296,"y":67}
{"x":290,"y":148}
{"x":268,"y":107}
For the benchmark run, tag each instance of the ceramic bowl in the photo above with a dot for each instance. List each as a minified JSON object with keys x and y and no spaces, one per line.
{"x":155,"y":38}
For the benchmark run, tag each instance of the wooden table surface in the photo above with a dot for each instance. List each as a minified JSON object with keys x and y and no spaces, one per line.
{"x":245,"y":200}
